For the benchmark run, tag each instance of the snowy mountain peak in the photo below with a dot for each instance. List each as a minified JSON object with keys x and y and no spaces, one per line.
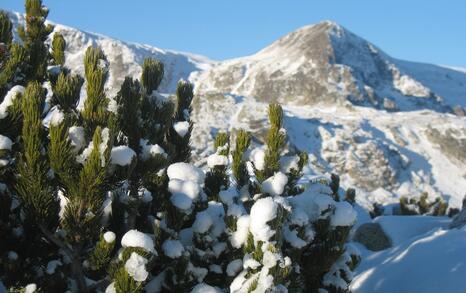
{"x":326,"y":63}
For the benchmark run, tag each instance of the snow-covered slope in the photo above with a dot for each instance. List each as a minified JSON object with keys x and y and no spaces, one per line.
{"x":425,"y":257}
{"x":125,"y":58}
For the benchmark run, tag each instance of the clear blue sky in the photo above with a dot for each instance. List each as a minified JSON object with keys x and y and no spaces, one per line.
{"x":432,"y":31}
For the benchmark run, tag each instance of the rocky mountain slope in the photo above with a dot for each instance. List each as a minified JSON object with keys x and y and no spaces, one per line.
{"x":325,"y":63}
{"x":388,"y":125}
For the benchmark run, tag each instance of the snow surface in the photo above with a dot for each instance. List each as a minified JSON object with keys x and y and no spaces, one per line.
{"x":5,"y":143}
{"x":203,"y":222}
{"x":344,"y":214}
{"x":109,"y":237}
{"x":428,"y":263}
{"x":77,"y":138}
{"x":185,"y":172}
{"x":181,"y":128}
{"x":204,"y":288}
{"x":30,"y":288}
{"x":275,"y":185}
{"x":263,"y":211}
{"x":149,"y":150}
{"x":172,"y":248}
{"x":216,"y":160}
{"x":9,"y":99}
{"x":136,"y":267}
{"x":134,"y":238}
{"x":183,"y":193}
{"x":122,"y":155}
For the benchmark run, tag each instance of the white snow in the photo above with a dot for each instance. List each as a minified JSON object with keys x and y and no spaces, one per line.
{"x":428,"y":263}
{"x":234,"y":267}
{"x":263,"y":211}
{"x":122,"y":155}
{"x":404,"y":228}
{"x":269,"y":259}
{"x":344,"y":214}
{"x":183,"y":193}
{"x":9,"y":99}
{"x":52,"y":266}
{"x":288,"y":162}
{"x":185,"y":172}
{"x":31,"y":288}
{"x":275,"y":185}
{"x":227,"y":196}
{"x":216,"y":160}
{"x":184,"y":184}
{"x":204,"y":288}
{"x":172,"y":248}
{"x":150,"y":150}
{"x":136,"y":267}
{"x":12,"y":256}
{"x":5,"y":143}
{"x":155,"y":285}
{"x":410,"y":87}
{"x":203,"y":222}
{"x":54,"y":117}
{"x":257,"y":157}
{"x":77,"y":138}
{"x":109,"y":237}
{"x":134,"y":238}
{"x":145,"y":195}
{"x":291,"y":236}
{"x":111,"y":288}
{"x":239,"y":237}
{"x":181,"y":127}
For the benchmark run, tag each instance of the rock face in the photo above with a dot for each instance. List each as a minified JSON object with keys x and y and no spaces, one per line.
{"x":372,"y":236}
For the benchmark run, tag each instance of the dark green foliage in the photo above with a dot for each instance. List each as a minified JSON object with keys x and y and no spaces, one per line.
{"x":276,"y":139}
{"x":58,"y":49}
{"x":152,"y":74}
{"x":350,"y":195}
{"x":11,"y":125}
{"x":66,"y":91}
{"x":124,"y":283}
{"x":243,"y":140}
{"x":96,"y":72}
{"x":216,"y":178}
{"x":295,"y":174}
{"x":184,"y":97}
{"x":423,"y":206}
{"x":33,"y":183}
{"x":12,"y":67}
{"x":101,"y":254}
{"x":129,"y":98}
{"x":180,"y":147}
{"x":325,"y":250}
{"x":335,"y":185}
{"x":377,"y":210}
{"x":6,"y":35}
{"x":34,"y":36}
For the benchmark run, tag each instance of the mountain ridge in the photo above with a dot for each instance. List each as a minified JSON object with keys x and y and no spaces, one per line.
{"x":404,"y":145}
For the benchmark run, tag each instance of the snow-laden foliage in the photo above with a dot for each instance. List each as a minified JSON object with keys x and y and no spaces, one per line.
{"x":98,"y":192}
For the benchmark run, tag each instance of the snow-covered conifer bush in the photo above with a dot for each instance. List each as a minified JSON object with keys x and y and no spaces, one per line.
{"x":99,"y":194}
{"x":424,"y":206}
